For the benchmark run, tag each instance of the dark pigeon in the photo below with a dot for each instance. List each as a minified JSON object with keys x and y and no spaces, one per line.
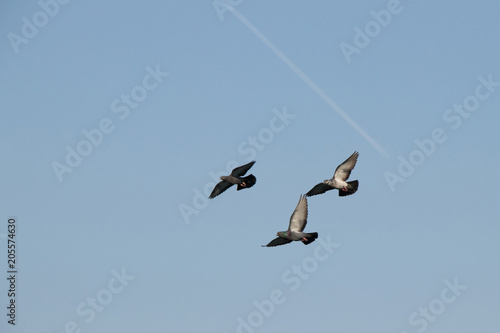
{"x":235,"y":178}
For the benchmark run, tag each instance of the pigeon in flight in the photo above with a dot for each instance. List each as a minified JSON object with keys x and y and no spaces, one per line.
{"x":236,"y":177}
{"x":339,"y":179}
{"x":298,"y":222}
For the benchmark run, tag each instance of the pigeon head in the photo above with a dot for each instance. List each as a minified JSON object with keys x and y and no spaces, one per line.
{"x":281,"y":234}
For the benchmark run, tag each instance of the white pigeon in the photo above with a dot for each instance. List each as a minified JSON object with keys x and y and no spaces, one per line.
{"x":298,"y":222}
{"x":338,"y":180}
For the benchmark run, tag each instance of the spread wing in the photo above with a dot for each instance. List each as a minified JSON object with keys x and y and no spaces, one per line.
{"x":277,"y":241}
{"x":241,"y":170}
{"x":343,"y":171}
{"x":219,"y":188}
{"x":319,"y":189}
{"x":298,"y":220}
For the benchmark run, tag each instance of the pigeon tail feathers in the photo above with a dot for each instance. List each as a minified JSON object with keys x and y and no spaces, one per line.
{"x":352,"y":187}
{"x":249,"y":181}
{"x":310,"y":238}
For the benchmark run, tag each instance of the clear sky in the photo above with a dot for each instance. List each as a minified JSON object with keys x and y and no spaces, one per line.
{"x":118,"y":118}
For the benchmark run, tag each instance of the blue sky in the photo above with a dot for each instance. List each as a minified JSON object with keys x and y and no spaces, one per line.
{"x":117,"y":117}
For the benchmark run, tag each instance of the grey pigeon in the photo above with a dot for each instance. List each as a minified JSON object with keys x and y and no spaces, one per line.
{"x":338,"y":180}
{"x":236,"y":177}
{"x":298,"y":222}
